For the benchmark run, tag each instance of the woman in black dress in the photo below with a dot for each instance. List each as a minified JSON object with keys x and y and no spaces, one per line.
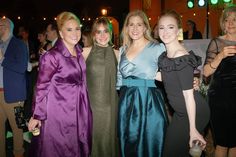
{"x":221,"y":65}
{"x":191,"y":112}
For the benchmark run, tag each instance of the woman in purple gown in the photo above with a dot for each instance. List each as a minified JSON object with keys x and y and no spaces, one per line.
{"x":62,"y":110}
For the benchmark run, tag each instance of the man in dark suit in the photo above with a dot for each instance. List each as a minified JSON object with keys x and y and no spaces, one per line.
{"x":13,"y":60}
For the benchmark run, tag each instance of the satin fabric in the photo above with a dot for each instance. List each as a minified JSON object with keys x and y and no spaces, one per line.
{"x":142,"y":121}
{"x":144,"y":65}
{"x":142,"y":118}
{"x":62,"y":105}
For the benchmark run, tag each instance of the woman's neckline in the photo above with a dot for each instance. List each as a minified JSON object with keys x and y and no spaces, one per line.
{"x":184,"y":55}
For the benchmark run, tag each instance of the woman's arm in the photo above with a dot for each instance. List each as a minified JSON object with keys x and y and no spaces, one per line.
{"x":210,"y":67}
{"x":191,"y":111}
{"x":158,"y":76}
{"x":47,"y":69}
{"x":116,"y":54}
{"x":86,"y":52}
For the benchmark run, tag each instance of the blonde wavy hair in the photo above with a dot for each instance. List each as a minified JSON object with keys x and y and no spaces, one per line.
{"x":124,"y":34}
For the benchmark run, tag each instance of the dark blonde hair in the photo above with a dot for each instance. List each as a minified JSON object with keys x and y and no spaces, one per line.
{"x":106,"y":23}
{"x":125,"y":36}
{"x":64,"y":17}
{"x":224,"y":16}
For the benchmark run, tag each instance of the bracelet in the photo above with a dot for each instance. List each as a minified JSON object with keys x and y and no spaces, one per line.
{"x":212,"y":66}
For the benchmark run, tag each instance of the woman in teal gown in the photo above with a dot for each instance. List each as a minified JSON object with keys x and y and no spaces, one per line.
{"x":142,"y":119}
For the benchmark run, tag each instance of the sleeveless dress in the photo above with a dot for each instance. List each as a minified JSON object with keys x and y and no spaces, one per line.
{"x":101,"y":80}
{"x":177,"y":75}
{"x":222,"y":95}
{"x":142,"y":119}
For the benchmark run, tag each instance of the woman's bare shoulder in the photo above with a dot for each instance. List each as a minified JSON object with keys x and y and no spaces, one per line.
{"x":116,"y":53}
{"x":86,"y":51}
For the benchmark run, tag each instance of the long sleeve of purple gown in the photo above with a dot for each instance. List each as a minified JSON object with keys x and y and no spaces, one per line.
{"x":47,"y":69}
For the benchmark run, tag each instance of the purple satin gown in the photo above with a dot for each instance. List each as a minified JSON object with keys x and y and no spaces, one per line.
{"x":62,"y":104}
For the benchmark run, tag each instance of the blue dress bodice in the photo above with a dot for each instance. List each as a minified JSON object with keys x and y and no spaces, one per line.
{"x":143,"y":66}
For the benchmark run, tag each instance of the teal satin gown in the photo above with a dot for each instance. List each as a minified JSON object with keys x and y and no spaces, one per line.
{"x":142,"y":118}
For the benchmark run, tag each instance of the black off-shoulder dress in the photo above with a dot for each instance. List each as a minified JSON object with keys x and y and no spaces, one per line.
{"x":177,"y":76}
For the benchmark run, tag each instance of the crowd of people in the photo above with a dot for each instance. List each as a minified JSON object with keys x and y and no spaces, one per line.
{"x":88,"y":99}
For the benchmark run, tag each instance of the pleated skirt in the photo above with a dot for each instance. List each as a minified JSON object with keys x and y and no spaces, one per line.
{"x":142,"y":120}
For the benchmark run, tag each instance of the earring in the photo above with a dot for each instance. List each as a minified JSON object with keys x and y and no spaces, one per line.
{"x":180,"y":34}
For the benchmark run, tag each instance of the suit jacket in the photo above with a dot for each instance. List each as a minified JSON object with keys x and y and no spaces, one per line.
{"x":14,"y":71}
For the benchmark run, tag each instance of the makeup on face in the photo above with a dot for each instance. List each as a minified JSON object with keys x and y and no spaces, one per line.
{"x":102,"y":31}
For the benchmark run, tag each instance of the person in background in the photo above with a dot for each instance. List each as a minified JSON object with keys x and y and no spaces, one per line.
{"x":191,"y":112}
{"x":87,"y":38}
{"x":192,"y":32}
{"x":32,"y":70}
{"x":220,"y":65}
{"x":52,"y":32}
{"x":61,"y":107}
{"x":142,"y":118}
{"x":24,"y":34}
{"x":44,"y":43}
{"x":101,"y":62}
{"x":13,"y":60}
{"x":155,"y":32}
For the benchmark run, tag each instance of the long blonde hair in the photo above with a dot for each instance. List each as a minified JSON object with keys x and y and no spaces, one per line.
{"x":124,"y":34}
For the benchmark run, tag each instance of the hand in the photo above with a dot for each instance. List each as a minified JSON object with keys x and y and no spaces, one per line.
{"x":227,"y":51}
{"x":42,"y":51}
{"x":195,"y":135}
{"x":35,"y":64}
{"x":33,"y":123}
{"x":196,"y":83}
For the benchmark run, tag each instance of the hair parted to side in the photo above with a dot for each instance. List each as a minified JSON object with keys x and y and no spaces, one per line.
{"x":124,"y":34}
{"x":66,"y":16}
{"x":226,"y":12}
{"x":106,"y":23}
{"x":173,"y":14}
